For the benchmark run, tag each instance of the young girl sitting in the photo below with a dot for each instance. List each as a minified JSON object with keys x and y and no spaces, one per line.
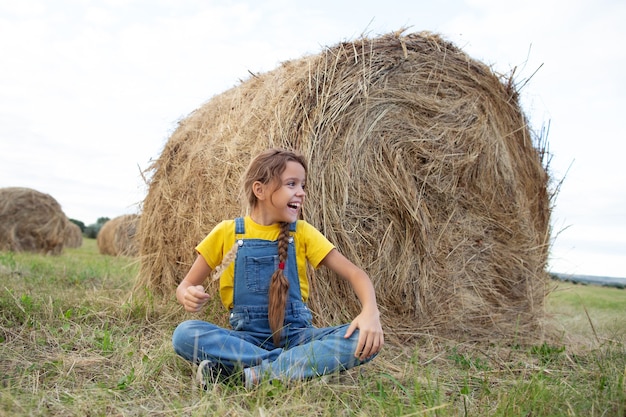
{"x":266,"y":289}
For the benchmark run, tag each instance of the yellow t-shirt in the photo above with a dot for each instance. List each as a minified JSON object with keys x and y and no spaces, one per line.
{"x":310,"y":244}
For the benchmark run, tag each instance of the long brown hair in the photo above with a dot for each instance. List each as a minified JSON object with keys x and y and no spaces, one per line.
{"x":266,"y":168}
{"x":279,"y":287}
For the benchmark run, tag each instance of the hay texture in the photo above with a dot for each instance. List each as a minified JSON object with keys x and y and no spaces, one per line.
{"x":31,"y":221}
{"x":73,"y":236}
{"x":422,"y":170}
{"x":118,"y":236}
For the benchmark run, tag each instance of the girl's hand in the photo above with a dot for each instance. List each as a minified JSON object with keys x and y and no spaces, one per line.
{"x":190,"y":292}
{"x":194,"y":298}
{"x":371,"y":337}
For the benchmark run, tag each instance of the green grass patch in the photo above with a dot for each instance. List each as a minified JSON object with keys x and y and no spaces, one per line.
{"x":73,"y":343}
{"x":589,"y":314}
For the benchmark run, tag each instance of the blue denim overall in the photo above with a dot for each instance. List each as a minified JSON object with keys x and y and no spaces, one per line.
{"x":304,"y":351}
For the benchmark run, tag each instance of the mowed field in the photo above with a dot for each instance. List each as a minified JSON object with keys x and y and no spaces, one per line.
{"x":74,"y":343}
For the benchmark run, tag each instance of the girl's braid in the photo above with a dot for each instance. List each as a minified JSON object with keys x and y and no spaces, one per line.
{"x":279,"y":287}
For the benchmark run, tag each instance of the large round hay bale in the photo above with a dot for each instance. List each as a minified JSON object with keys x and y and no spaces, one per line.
{"x":31,"y":221}
{"x":422,"y":170}
{"x":117,"y":237}
{"x":73,"y":236}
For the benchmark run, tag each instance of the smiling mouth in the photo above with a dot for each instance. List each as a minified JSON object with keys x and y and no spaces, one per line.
{"x":294,"y":206}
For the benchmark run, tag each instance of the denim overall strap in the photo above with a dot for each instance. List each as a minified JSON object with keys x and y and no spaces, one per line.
{"x":240,"y":227}
{"x":256,"y":262}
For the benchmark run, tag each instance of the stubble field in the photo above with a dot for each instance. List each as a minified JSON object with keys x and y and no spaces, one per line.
{"x":73,"y":343}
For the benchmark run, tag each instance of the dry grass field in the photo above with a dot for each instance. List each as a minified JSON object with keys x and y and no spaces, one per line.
{"x":73,"y":343}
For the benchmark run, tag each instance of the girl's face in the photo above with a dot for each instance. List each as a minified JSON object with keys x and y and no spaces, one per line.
{"x":282,"y":204}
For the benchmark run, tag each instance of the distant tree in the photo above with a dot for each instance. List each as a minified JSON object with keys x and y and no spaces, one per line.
{"x":92,"y":230}
{"x":79,"y":224}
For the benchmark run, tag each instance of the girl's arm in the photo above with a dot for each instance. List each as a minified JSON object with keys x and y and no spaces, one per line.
{"x":190,"y":292}
{"x":371,"y":338}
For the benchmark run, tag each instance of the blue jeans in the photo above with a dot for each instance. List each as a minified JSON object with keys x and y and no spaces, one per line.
{"x":307,"y":352}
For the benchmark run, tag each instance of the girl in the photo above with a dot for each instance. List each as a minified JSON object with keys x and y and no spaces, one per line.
{"x":266,"y":288}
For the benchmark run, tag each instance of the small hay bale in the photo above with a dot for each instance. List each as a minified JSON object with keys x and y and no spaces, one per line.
{"x":73,"y":235}
{"x":117,"y":237}
{"x":105,"y":238}
{"x":422,"y":170}
{"x":31,"y":221}
{"x":126,"y":235}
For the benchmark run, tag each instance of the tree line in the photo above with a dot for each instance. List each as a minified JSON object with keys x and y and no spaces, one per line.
{"x":92,"y":230}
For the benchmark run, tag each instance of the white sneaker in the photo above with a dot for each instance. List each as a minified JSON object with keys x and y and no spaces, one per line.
{"x":206,"y":374}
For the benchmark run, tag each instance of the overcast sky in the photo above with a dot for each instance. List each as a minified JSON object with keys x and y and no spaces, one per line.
{"x":90,"y":91}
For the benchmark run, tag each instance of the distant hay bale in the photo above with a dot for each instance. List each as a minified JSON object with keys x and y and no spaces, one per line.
{"x":31,"y":221}
{"x":73,"y":236}
{"x":117,"y":237}
{"x":106,"y":237}
{"x":126,"y":235}
{"x":422,"y":170}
